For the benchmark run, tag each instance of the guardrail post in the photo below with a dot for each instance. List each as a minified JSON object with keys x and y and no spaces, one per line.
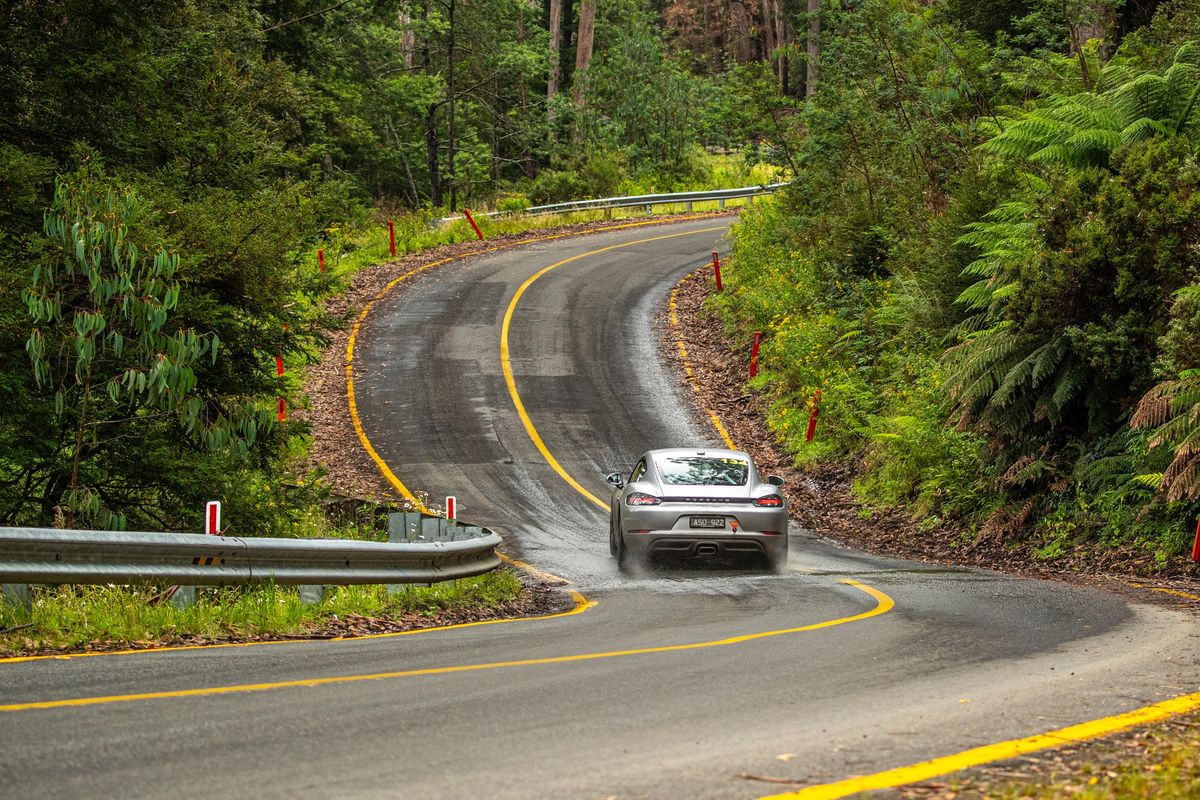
{"x":689,"y":206}
{"x":404,"y":526}
{"x":311,"y":595}
{"x":721,"y":204}
{"x":17,"y":594}
{"x":649,"y":209}
{"x":183,"y":597}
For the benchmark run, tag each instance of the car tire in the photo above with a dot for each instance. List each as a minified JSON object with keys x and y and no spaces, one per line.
{"x":612,"y":536}
{"x":623,"y":557}
{"x":777,"y":564}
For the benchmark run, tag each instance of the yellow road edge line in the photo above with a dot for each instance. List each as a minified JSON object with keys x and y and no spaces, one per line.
{"x":506,"y":361}
{"x":995,"y":752}
{"x":687,"y":367}
{"x":581,"y":604}
{"x":883,"y":604}
{"x":1163,"y":590}
{"x":1177,"y":593}
{"x":532,"y":570}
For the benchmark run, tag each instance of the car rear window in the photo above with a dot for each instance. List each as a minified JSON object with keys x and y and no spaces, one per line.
{"x":704,"y":471}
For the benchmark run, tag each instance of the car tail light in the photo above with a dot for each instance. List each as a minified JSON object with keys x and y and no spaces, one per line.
{"x":770,"y":501}
{"x":641,"y":499}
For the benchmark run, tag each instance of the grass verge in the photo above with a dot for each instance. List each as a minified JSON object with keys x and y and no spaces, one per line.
{"x":75,"y":618}
{"x":1157,"y":762}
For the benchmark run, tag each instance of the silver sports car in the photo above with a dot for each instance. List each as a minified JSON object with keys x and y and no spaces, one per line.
{"x":697,"y":503}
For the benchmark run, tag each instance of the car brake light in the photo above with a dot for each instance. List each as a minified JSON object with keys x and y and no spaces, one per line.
{"x":641,"y":499}
{"x":770,"y":501}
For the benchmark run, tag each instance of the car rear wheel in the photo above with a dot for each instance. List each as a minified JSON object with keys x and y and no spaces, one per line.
{"x":777,"y":563}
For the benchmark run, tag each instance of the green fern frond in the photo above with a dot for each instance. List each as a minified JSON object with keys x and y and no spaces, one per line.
{"x":1188,"y":54}
{"x":1083,"y":112}
{"x":976,"y":296}
{"x":1148,"y":479}
{"x":1050,"y":356}
{"x":1067,"y":386}
{"x":1144,"y":96}
{"x":1014,"y":379}
{"x":1093,"y":144}
{"x":1142,"y":129}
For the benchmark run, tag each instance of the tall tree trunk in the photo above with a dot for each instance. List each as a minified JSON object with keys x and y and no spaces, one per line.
{"x":813,"y":47}
{"x":431,"y":123}
{"x":555,"y":75}
{"x":766,"y":29}
{"x":431,"y":155}
{"x":782,"y":40}
{"x":583,"y":46}
{"x":408,"y":38}
{"x":523,"y":99}
{"x":451,"y":132}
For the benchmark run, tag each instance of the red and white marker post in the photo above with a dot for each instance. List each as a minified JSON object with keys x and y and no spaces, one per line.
{"x":754,"y":345}
{"x":717,"y":271}
{"x":470,"y":219}
{"x":281,"y":409}
{"x":812,"y":417}
{"x":212,"y":517}
{"x":392,"y":237}
{"x":451,"y":507}
{"x":1196,"y":545}
{"x":321,"y":258}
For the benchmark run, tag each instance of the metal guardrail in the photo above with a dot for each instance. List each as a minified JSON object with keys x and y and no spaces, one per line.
{"x":646,"y":200}
{"x":46,"y":555}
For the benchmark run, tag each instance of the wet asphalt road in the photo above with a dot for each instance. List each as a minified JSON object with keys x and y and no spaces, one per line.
{"x":963,"y":658}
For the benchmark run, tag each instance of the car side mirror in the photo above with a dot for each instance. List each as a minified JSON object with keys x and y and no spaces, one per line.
{"x":775,"y":480}
{"x":616,"y":479}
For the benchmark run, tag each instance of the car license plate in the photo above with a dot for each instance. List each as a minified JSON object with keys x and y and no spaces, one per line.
{"x":708,"y":522}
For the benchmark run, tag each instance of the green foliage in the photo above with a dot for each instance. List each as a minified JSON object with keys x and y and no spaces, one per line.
{"x":983,"y":298}
{"x":1085,"y":129}
{"x":103,"y":348}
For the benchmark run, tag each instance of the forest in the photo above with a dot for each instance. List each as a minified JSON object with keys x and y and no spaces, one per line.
{"x":988,"y":263}
{"x":986,"y":260}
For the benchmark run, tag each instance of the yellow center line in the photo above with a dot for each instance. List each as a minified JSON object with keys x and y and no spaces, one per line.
{"x":351,"y":398}
{"x":994,"y":752}
{"x":883,"y":604}
{"x":506,"y":362}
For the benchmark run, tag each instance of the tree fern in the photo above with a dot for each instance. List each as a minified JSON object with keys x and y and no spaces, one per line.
{"x":1172,"y":410}
{"x":1083,"y":130}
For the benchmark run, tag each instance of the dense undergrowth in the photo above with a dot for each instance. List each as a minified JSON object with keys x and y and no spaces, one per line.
{"x":989,"y":265}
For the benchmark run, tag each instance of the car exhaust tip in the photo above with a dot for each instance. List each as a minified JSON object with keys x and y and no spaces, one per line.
{"x":706,"y":549}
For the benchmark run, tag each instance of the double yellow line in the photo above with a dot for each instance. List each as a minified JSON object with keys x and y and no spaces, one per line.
{"x":506,"y":361}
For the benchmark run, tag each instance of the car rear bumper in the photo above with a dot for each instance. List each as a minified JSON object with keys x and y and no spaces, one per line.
{"x":685,"y":544}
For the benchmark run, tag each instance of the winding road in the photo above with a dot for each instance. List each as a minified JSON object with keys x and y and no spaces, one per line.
{"x":515,"y":380}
